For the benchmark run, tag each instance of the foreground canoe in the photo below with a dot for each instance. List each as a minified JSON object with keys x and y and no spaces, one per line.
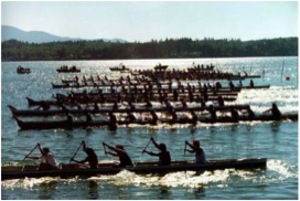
{"x":20,"y":172}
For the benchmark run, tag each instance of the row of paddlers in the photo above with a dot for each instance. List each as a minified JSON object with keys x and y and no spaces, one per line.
{"x":151,"y":118}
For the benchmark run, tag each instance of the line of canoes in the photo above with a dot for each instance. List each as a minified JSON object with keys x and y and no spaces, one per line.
{"x":136,"y":84}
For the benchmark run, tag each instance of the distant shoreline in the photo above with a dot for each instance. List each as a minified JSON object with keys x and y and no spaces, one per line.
{"x":14,"y":50}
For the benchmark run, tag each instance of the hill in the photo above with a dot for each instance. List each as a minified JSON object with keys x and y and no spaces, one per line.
{"x":13,"y":33}
{"x":9,"y":32}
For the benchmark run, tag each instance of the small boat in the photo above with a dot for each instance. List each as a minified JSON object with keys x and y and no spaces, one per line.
{"x":66,"y":69}
{"x":72,"y":170}
{"x":160,"y":67}
{"x":198,"y":68}
{"x":22,"y":70}
{"x":120,"y":68}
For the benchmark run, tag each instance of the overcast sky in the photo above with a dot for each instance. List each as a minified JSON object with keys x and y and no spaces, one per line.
{"x":143,"y":21}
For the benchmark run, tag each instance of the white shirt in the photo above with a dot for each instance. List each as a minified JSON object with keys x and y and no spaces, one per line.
{"x":49,"y":159}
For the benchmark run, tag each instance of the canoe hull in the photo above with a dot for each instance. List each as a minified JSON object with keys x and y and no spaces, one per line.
{"x":42,"y":125}
{"x":140,"y":168}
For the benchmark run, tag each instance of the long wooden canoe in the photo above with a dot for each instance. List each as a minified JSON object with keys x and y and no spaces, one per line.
{"x":103,"y":110}
{"x":82,"y":85}
{"x":69,"y":101}
{"x":66,"y":171}
{"x":65,"y":124}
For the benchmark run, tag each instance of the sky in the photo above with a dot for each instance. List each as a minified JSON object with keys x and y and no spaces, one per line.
{"x":146,"y":20}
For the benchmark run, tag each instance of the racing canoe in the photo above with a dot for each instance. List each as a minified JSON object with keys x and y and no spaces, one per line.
{"x":72,"y":170}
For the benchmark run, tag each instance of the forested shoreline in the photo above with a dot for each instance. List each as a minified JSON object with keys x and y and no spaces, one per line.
{"x":14,"y":50}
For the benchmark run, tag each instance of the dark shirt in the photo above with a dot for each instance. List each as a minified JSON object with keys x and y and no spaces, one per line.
{"x":124,"y":159}
{"x":164,"y":158}
{"x":91,"y":158}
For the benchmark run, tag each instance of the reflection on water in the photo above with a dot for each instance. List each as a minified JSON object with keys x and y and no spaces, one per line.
{"x":46,"y":190}
{"x":92,"y":189}
{"x":275,"y":126}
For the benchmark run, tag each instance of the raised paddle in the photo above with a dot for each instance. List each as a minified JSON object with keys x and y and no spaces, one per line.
{"x":146,"y":146}
{"x":30,"y":152}
{"x":76,"y":152}
{"x":29,"y":155}
{"x":104,"y":148}
{"x":144,"y":150}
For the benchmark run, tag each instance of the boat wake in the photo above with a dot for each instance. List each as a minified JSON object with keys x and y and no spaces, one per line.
{"x":281,"y":170}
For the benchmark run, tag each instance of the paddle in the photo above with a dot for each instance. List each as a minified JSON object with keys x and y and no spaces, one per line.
{"x":105,"y":151}
{"x":30,"y":152}
{"x":29,"y":155}
{"x":144,"y":150}
{"x":184,"y":148}
{"x":75,"y":152}
{"x":146,"y":146}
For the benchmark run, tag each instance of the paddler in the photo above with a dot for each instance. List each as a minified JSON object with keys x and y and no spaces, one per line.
{"x":48,"y":159}
{"x":164,"y":154}
{"x":91,"y":158}
{"x":120,"y":152}
{"x":199,"y":153}
{"x":275,"y":111}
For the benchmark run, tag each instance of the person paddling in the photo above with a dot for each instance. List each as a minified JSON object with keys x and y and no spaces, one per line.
{"x":199,"y":153}
{"x":275,"y":111}
{"x":164,"y":154}
{"x":112,"y":123}
{"x":48,"y":159}
{"x":91,"y":158}
{"x":120,"y":152}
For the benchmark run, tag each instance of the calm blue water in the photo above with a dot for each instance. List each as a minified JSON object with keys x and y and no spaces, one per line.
{"x":277,"y":141}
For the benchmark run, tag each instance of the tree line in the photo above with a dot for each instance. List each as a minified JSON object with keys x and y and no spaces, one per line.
{"x":14,"y":50}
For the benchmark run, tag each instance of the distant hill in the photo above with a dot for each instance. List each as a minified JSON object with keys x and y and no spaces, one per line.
{"x":9,"y":32}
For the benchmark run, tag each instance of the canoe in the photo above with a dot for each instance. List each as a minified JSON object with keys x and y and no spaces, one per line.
{"x":291,"y":117}
{"x":51,"y":112}
{"x":155,"y":92}
{"x":22,"y":70}
{"x":119,"y":69}
{"x":140,"y":97}
{"x":95,"y":85}
{"x":67,"y":171}
{"x":65,"y":100}
{"x":160,"y":67}
{"x":66,"y":69}
{"x":64,"y":124}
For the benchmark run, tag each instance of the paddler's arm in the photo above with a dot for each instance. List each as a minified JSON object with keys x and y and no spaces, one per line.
{"x":268,"y":110}
{"x":39,"y":146}
{"x":33,"y":157}
{"x":150,"y":153}
{"x":113,"y":154}
{"x":190,"y":145}
{"x":82,"y":161}
{"x":108,"y":146}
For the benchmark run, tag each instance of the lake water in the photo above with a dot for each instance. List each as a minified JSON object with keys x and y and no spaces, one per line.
{"x":277,"y":141}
